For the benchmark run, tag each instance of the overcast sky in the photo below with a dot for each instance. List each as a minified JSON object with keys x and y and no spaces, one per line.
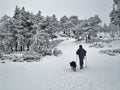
{"x":82,"y":8}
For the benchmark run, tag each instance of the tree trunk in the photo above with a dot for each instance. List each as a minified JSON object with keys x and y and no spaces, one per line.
{"x":21,"y":48}
{"x":16,"y":46}
{"x":28,"y":46}
{"x":11,"y":48}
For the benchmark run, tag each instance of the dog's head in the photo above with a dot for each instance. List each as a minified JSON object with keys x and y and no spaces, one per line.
{"x":73,"y":64}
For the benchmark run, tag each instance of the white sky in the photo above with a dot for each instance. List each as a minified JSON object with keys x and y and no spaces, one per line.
{"x":82,"y":8}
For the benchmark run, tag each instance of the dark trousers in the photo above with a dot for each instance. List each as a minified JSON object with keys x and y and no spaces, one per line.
{"x":81,"y":61}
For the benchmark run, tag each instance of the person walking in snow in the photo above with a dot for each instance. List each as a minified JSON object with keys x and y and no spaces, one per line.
{"x":81,"y":53}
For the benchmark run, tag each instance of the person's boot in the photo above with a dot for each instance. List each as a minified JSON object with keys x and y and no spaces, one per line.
{"x":81,"y":66}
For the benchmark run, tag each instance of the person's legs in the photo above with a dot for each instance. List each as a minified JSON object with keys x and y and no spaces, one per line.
{"x":81,"y":63}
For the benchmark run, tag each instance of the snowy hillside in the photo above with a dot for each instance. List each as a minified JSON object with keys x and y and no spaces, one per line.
{"x":54,"y":73}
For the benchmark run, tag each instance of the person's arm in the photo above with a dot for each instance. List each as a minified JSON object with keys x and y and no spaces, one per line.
{"x":85,"y":52}
{"x":77,"y":52}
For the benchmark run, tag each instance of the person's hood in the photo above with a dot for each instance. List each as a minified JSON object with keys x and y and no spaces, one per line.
{"x":80,"y":47}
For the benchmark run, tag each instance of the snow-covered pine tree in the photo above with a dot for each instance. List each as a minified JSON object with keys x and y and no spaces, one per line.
{"x":115,"y":16}
{"x":23,"y":26}
{"x":67,"y":24}
{"x":52,"y":26}
{"x":6,"y":34}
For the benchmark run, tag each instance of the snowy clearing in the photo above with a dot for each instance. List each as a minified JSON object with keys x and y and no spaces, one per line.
{"x":54,"y":73}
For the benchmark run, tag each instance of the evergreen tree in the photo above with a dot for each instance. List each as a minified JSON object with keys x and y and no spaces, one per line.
{"x":52,"y":26}
{"x":5,"y":33}
{"x":115,"y":15}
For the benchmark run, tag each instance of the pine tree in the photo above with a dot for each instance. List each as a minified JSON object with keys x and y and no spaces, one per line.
{"x":52,"y":26}
{"x":6,"y":34}
{"x":115,"y":15}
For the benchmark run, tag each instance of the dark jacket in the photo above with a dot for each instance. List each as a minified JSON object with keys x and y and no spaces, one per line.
{"x":81,"y":53}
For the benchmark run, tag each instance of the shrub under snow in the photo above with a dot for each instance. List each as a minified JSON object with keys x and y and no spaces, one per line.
{"x":110,"y":52}
{"x":57,"y":52}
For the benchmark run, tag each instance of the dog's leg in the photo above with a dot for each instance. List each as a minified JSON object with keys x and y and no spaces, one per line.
{"x":74,"y":69}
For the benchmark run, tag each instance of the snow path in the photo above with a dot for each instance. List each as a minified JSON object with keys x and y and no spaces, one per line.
{"x":54,"y":73}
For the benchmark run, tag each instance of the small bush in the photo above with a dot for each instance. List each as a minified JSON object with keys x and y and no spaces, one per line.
{"x":57,"y":52}
{"x":48,"y":52}
{"x":110,"y":52}
{"x":31,"y":56}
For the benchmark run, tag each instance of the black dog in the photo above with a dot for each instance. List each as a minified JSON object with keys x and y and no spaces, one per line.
{"x":73,"y":65}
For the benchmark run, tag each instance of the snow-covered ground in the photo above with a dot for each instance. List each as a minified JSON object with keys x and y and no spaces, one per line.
{"x":54,"y":73}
